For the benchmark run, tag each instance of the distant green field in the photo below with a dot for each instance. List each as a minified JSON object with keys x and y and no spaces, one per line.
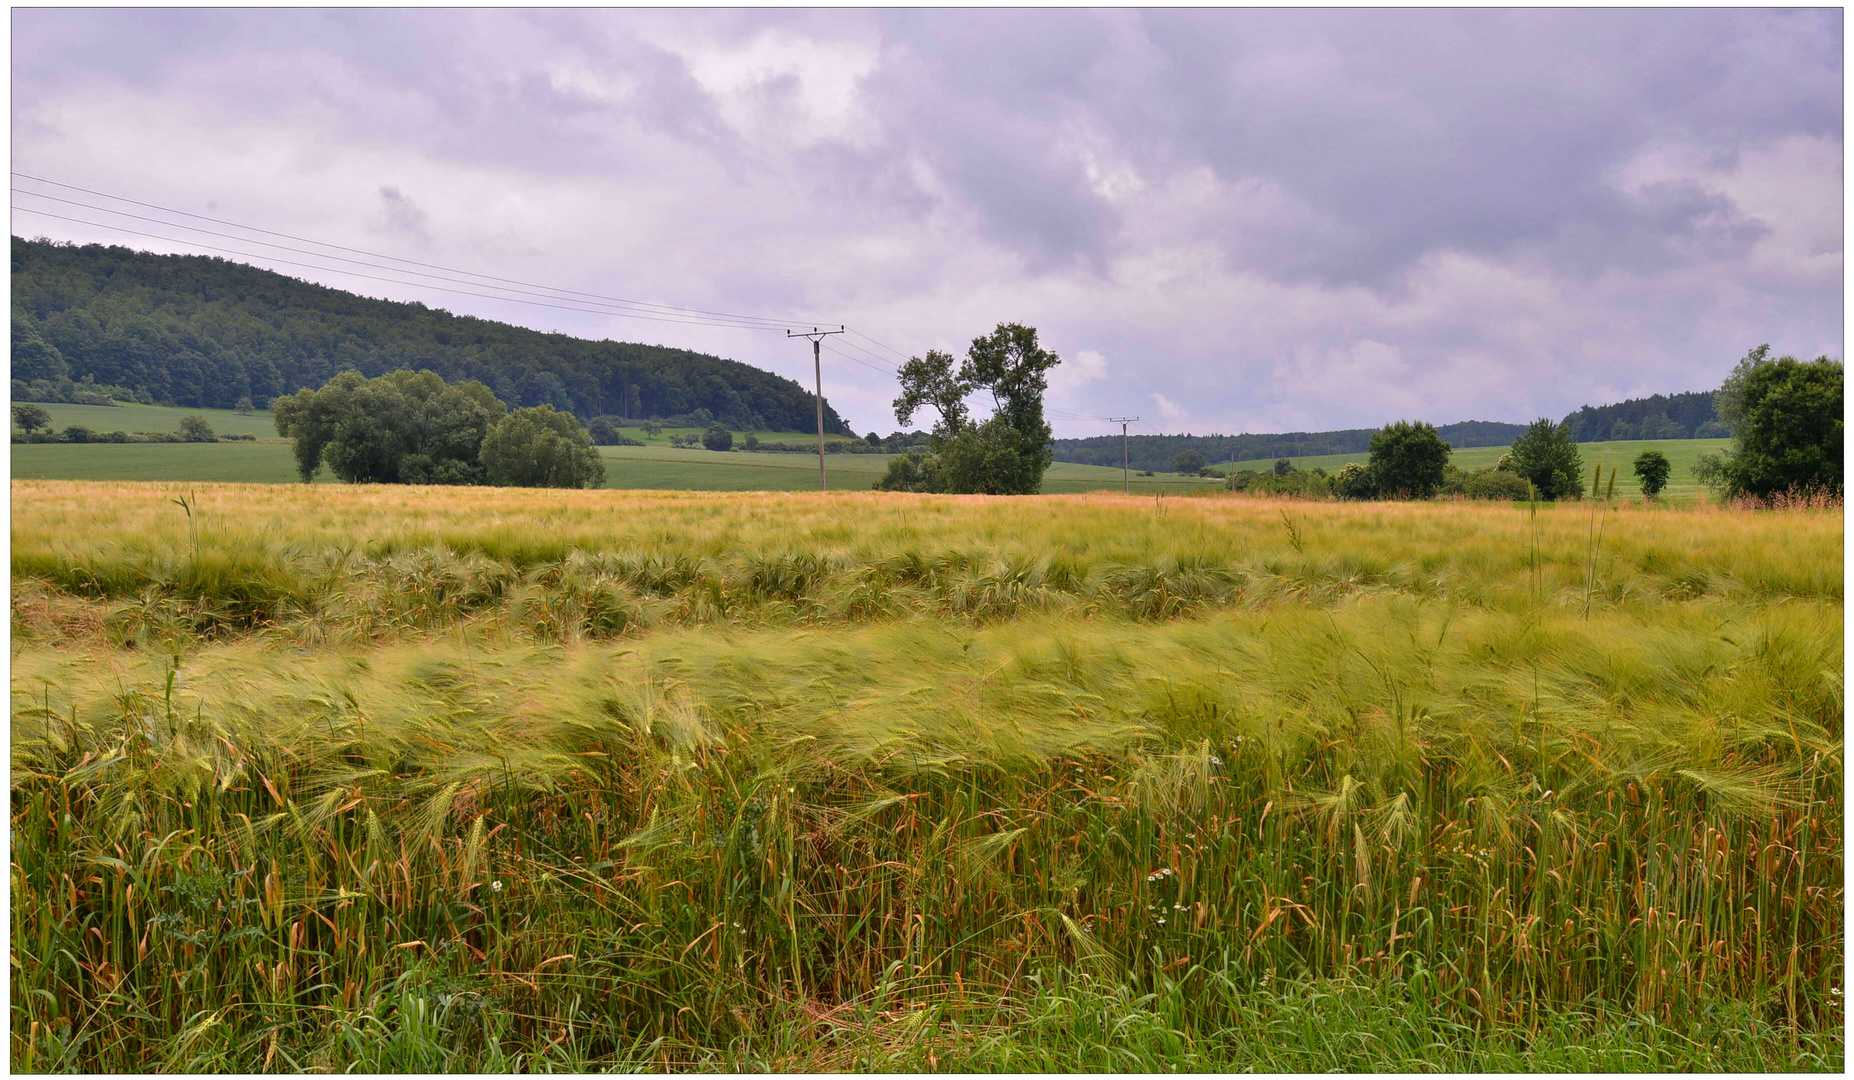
{"x":156,"y":418}
{"x":626,"y":468}
{"x":1682,"y":453}
{"x":657,"y":465}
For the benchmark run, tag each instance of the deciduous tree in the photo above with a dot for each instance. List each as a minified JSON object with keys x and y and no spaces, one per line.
{"x":541,"y":447}
{"x":1407,"y":460}
{"x":1546,"y":456}
{"x":1008,"y":453}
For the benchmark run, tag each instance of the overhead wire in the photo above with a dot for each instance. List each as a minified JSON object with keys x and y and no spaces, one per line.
{"x":508,"y":290}
{"x":662,"y":308}
{"x":267,"y":257}
{"x":551,"y":294}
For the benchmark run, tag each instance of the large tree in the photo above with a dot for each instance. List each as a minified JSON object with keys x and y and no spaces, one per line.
{"x":1009,"y":452}
{"x":403,"y":427}
{"x":1407,"y":460}
{"x":541,"y":447}
{"x":1786,"y":419}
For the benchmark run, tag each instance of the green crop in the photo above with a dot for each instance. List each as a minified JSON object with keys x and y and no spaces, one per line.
{"x":418,"y":780}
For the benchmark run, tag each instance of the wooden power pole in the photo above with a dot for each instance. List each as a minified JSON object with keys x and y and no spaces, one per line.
{"x":817,"y":370}
{"x":1126,"y":475}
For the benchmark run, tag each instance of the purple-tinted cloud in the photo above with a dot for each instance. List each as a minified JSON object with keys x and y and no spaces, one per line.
{"x":1261,"y":219}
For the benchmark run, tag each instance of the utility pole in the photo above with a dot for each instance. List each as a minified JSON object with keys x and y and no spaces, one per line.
{"x":817,"y":370}
{"x":1126,"y":474}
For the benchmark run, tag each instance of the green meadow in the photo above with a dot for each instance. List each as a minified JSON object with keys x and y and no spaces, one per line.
{"x":656,"y":465}
{"x":1683,"y":454}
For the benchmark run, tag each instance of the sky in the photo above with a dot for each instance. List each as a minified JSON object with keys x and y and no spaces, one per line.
{"x":1223,"y":221}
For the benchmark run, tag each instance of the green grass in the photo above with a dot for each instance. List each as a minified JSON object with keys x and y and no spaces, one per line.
{"x":417,"y":779}
{"x":626,"y":467}
{"x":786,"y":438}
{"x":130,"y":417}
{"x":659,"y":466}
{"x":1681,"y":453}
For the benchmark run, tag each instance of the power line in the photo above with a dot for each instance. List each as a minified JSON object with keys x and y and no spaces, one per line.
{"x":396,"y":281}
{"x":873,"y":341}
{"x":859,"y":360}
{"x":663,"y":308}
{"x":358,"y":262}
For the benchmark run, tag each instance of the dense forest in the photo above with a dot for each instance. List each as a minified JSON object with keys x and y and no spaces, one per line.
{"x":1157,"y":451}
{"x":199,"y":331}
{"x":1663,"y":416}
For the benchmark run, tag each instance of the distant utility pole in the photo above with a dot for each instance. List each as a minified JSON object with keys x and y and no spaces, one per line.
{"x":1126,"y":475}
{"x":817,"y":369}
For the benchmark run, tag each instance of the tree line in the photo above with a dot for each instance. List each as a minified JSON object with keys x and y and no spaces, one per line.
{"x":1787,"y":436}
{"x":414,"y":428}
{"x":197,"y":331}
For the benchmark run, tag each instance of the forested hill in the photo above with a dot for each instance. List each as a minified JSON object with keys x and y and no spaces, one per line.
{"x":1157,"y":451}
{"x":1663,"y":416}
{"x":198,"y":331}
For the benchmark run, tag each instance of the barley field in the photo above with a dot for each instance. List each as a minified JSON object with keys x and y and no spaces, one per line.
{"x":406,"y":779}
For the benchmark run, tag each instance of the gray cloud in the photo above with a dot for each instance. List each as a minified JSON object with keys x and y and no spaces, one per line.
{"x":1268,"y":218}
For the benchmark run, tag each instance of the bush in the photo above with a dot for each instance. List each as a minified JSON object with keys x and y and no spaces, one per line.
{"x":540,"y":447}
{"x":1496,"y":484}
{"x":603,"y":432}
{"x":1353,"y":481}
{"x":1407,"y":460}
{"x":194,"y":428}
{"x":1189,"y":463}
{"x":913,"y":471}
{"x":77,"y":433}
{"x":718,"y":438}
{"x":752,"y":443}
{"x":1546,"y":456}
{"x":653,"y":428}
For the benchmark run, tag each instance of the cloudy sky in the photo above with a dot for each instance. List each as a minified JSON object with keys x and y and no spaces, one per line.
{"x":1222,"y":220}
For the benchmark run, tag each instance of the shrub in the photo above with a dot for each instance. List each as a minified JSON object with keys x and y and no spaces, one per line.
{"x":913,"y":471}
{"x":194,"y":428}
{"x":1353,"y":481}
{"x":540,"y":447}
{"x":752,"y":443}
{"x":1496,"y":484}
{"x":603,"y":432}
{"x":77,"y":433}
{"x":718,"y":438}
